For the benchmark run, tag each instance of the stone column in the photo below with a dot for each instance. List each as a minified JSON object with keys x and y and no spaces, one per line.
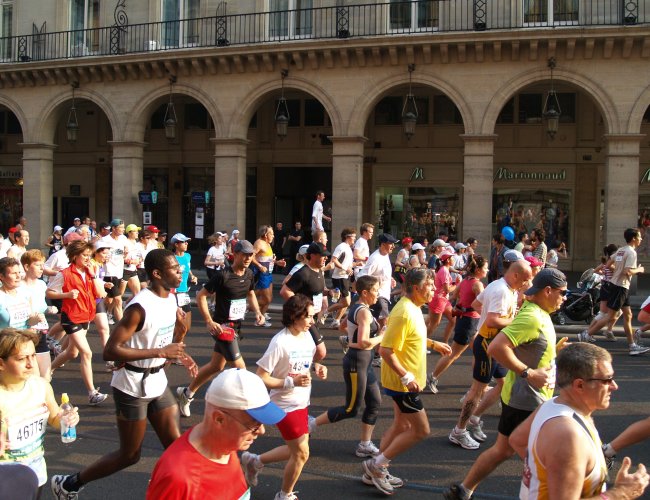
{"x":38,"y":190}
{"x":347,"y":184}
{"x":127,"y":180}
{"x":230,"y":184}
{"x":621,"y":185}
{"x":477,"y":189}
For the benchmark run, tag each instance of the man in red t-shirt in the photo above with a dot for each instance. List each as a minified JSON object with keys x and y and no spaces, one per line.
{"x":204,"y":459}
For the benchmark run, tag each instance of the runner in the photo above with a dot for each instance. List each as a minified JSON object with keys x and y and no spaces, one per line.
{"x":231,"y":288}
{"x":343,"y":268}
{"x":143,"y":341}
{"x":179,"y":243}
{"x":379,"y":266}
{"x":317,"y":214}
{"x":263,"y":263}
{"x":361,"y":249}
{"x":133,"y":259}
{"x":116,"y":241}
{"x":440,"y":304}
{"x":285,"y":368}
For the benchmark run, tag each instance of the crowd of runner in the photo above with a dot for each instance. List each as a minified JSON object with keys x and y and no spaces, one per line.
{"x":499,"y":306}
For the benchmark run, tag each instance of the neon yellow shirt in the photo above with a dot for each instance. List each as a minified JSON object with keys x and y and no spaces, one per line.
{"x":406,"y":335}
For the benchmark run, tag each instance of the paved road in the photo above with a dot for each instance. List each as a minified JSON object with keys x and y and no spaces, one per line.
{"x":333,"y":470}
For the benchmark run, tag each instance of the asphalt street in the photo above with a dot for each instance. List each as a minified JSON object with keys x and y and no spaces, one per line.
{"x":333,"y":471}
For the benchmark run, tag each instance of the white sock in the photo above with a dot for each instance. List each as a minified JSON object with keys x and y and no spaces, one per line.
{"x":474,"y":420}
{"x":257,"y":462}
{"x":365,"y":443}
{"x":188,"y":393}
{"x":381,"y":460}
{"x":458,"y":430}
{"x":608,"y":451}
{"x":468,"y":493}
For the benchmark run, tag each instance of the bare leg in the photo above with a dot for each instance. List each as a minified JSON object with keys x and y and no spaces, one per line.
{"x":446,"y":361}
{"x":490,"y":397}
{"x":471,"y":402}
{"x":488,"y":461}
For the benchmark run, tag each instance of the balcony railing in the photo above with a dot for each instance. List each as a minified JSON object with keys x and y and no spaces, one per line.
{"x":342,"y":22}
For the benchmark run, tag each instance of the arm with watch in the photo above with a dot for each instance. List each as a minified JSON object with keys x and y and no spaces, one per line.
{"x":502,"y":350}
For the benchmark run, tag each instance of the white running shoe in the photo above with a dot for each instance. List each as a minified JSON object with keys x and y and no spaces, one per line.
{"x":343,"y":340}
{"x":638,"y":335}
{"x":250,"y":470}
{"x":366,"y":450}
{"x":636,"y":349}
{"x":609,"y":336}
{"x":376,"y":362}
{"x":464,"y":440}
{"x":183,"y":401}
{"x":432,"y":383}
{"x":476,"y":430}
{"x":59,"y":492}
{"x":394,"y":481}
{"x":378,"y":475}
{"x":311,"y":425}
{"x":334,"y":324}
{"x":584,"y":336}
{"x":96,"y":397}
{"x":267,"y":324}
{"x":289,"y":496}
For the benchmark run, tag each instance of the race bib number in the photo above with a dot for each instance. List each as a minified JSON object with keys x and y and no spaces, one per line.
{"x":18,"y":314}
{"x":237,"y":309}
{"x":271,"y":264}
{"x":182,"y":299}
{"x":318,"y":302}
{"x":551,"y":377}
{"x":165,"y":336}
{"x":26,"y":431}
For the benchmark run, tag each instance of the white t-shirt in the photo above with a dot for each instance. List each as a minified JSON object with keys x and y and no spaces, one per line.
{"x":157,"y":332}
{"x":343,"y":253}
{"x":317,"y":216}
{"x":115,"y":265}
{"x":134,"y":252}
{"x":498,"y":298}
{"x":4,"y":247}
{"x":289,"y":355}
{"x":625,"y":257}
{"x":217,"y":253}
{"x":379,"y":266}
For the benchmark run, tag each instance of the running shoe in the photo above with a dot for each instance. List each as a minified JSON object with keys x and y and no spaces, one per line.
{"x":110,"y":366}
{"x":267,"y":316}
{"x":432,"y":383}
{"x":289,"y":496}
{"x":476,"y":430}
{"x":267,"y":324}
{"x":463,"y":439}
{"x":638,"y":335}
{"x":343,"y":340}
{"x":376,"y":362}
{"x":455,"y":492}
{"x":366,"y":450}
{"x":636,"y":349}
{"x":311,"y":424}
{"x":183,"y":401}
{"x":111,"y":320}
{"x":96,"y":397}
{"x":59,"y":492}
{"x":250,"y":470}
{"x":334,"y":324}
{"x":394,"y":481}
{"x":609,"y":336}
{"x":584,"y":336}
{"x":609,"y":461}
{"x":378,"y":475}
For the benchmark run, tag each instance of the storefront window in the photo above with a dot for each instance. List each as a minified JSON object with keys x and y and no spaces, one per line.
{"x":527,"y":210}
{"x":420,"y":211}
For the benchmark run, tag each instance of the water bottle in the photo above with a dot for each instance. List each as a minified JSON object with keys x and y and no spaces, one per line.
{"x":336,"y":295}
{"x":68,"y":433}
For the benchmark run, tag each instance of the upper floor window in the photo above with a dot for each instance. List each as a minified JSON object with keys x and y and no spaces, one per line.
{"x":290,"y":18}
{"x":84,"y":19}
{"x":6,"y":27}
{"x":549,"y":12}
{"x":413,"y":16}
{"x":180,"y":22}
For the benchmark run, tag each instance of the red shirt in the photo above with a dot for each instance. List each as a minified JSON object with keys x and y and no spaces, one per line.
{"x":81,"y":310}
{"x":182,"y":473}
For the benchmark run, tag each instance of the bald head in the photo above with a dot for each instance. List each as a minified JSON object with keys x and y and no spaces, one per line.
{"x":518,"y":274}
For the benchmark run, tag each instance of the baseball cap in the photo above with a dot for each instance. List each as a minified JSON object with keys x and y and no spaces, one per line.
{"x":534,"y":261}
{"x":13,"y":229}
{"x":440,"y":243}
{"x":512,"y":256}
{"x":387,"y":238}
{"x":315,"y":248}
{"x":235,"y":231}
{"x":116,"y":222}
{"x":417,"y":246}
{"x":303,"y":249}
{"x":105,"y":225}
{"x":99,"y":244}
{"x":58,"y":228}
{"x":445,"y":255}
{"x":547,"y":277}
{"x":243,"y":246}
{"x":132,"y":227}
{"x":153,"y":229}
{"x":407,"y":240}
{"x":77,"y":218}
{"x":460,"y":246}
{"x":73,"y":236}
{"x":239,"y":389}
{"x":179,"y":237}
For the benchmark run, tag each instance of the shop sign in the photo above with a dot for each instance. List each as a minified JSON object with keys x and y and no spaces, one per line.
{"x":417,"y":174}
{"x":11,"y":173}
{"x":645,"y":177}
{"x":503,"y":174}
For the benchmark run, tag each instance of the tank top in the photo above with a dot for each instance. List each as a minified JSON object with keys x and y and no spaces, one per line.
{"x":157,"y":332}
{"x":26,"y":415}
{"x":353,"y":326}
{"x":466,"y":296}
{"x":533,"y":484}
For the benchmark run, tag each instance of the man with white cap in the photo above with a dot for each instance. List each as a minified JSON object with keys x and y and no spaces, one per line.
{"x":204,"y":460}
{"x":116,"y":241}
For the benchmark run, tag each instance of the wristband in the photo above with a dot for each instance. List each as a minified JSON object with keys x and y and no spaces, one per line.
{"x":408,"y":378}
{"x":288,"y":383}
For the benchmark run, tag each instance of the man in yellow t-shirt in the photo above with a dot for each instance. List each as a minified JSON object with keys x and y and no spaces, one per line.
{"x":403,"y":376}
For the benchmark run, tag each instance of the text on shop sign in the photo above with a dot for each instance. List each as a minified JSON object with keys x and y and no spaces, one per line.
{"x":503,"y":174}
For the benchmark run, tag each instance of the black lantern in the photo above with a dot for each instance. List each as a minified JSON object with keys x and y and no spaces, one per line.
{"x":72,"y":125}
{"x":410,"y":109}
{"x":170,"y":113}
{"x":552,"y":110}
{"x":282,"y":112}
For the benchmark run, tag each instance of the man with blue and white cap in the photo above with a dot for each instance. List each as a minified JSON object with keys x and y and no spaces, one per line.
{"x":204,"y":459}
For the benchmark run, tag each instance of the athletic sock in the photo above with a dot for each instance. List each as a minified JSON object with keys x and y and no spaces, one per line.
{"x":188,"y":393}
{"x":467,"y":493}
{"x":608,"y":451}
{"x":474,"y":420}
{"x":365,"y":443}
{"x":381,"y":460}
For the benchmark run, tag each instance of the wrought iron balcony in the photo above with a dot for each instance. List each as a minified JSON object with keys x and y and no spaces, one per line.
{"x":423,"y":17}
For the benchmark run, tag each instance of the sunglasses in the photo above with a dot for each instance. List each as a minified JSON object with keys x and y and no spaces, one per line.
{"x":604,"y":381}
